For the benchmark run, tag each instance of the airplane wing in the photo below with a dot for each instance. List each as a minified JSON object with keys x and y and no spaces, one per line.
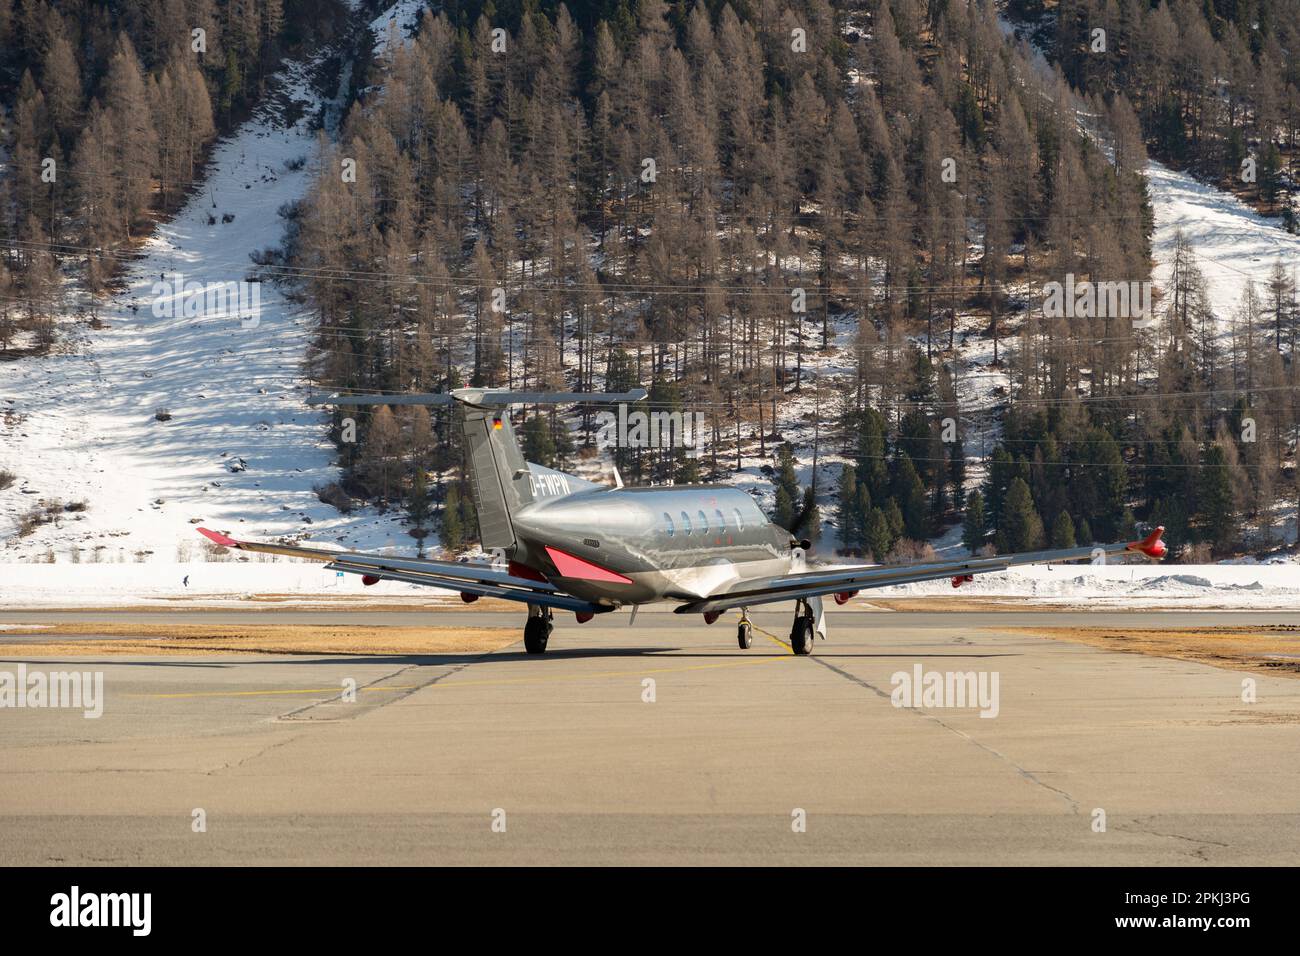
{"x":807,"y":584}
{"x":474,"y":579}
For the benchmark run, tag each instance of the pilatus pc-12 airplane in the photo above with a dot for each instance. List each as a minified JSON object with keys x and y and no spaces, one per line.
{"x":573,"y":545}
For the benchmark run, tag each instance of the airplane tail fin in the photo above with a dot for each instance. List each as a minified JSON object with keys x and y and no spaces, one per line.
{"x":501,"y":480}
{"x":498,"y":474}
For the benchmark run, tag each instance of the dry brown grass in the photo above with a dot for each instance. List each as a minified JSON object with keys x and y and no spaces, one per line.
{"x":1236,"y":647}
{"x":955,"y":604}
{"x":261,"y":604}
{"x":200,"y":639}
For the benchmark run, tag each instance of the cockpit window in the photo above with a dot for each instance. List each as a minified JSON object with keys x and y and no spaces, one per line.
{"x":686,"y":523}
{"x":740,"y":519}
{"x":722,"y":522}
{"x":668,"y":524}
{"x":704,"y":522}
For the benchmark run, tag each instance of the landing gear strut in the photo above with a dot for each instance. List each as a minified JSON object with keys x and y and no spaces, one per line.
{"x":537,"y":629}
{"x":802,"y":632}
{"x":745,"y":632}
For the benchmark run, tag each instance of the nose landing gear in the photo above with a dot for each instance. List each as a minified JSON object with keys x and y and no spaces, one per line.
{"x":745,"y":632}
{"x":537,"y":629}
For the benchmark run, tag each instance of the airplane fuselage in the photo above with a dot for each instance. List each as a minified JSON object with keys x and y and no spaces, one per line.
{"x":633,"y":545}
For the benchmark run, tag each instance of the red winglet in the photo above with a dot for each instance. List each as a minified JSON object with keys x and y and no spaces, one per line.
{"x":1151,"y":545}
{"x":218,"y":538}
{"x":574,"y":567}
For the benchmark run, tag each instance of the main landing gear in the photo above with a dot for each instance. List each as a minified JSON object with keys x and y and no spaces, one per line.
{"x":803,"y":630}
{"x":537,"y":629}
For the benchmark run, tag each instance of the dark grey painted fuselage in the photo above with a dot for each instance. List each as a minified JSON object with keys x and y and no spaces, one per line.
{"x":683,"y":542}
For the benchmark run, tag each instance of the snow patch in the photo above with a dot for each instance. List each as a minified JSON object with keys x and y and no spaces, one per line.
{"x":1244,"y":587}
{"x":224,"y":583}
{"x":1232,"y":244}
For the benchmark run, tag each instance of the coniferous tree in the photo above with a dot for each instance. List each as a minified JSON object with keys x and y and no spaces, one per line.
{"x":538,"y":445}
{"x":811,"y":527}
{"x":417,"y":507}
{"x":127,"y":102}
{"x":850,"y":520}
{"x":861,"y":510}
{"x":452,"y":528}
{"x":383,"y":447}
{"x":894,"y":521}
{"x":1216,"y":512}
{"x":788,"y":494}
{"x":1021,"y":529}
{"x":973,"y":525}
{"x":783,"y":508}
{"x":910,"y":494}
{"x":1063,"y":531}
{"x":872,"y":466}
{"x":878,"y":537}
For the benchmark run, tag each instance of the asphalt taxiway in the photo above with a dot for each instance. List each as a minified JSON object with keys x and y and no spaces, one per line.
{"x":662,"y":743}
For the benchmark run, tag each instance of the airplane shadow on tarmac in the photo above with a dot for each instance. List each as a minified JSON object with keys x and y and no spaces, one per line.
{"x":497,"y":657}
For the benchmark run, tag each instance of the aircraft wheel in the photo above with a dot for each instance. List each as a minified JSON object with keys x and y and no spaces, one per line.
{"x":801,"y":636}
{"x":537,"y":631}
{"x":744,"y":635}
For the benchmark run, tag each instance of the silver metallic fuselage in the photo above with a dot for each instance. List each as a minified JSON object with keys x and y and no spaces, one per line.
{"x":682,"y":543}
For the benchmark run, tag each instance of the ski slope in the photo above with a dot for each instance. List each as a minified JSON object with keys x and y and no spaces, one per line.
{"x":1232,"y":244}
{"x":241,"y":450}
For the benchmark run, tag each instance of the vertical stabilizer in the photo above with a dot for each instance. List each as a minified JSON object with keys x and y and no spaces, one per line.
{"x":498,"y":474}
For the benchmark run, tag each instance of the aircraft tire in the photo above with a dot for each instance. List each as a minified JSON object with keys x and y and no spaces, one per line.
{"x":744,"y":636}
{"x":801,"y":636}
{"x":537,"y":631}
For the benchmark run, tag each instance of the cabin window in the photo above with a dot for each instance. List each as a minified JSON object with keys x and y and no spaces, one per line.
{"x":686,"y":523}
{"x":740,"y":519}
{"x":704,"y":522}
{"x":722,"y":522}
{"x":668,"y":524}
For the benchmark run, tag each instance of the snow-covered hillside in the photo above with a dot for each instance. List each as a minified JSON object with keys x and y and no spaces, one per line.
{"x":81,"y":430}
{"x":1232,"y":244}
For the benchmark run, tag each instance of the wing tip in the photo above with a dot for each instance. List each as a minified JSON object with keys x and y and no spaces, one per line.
{"x":1152,"y":545}
{"x":217,"y":537}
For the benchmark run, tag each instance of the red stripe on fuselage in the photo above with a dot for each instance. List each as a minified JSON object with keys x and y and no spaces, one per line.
{"x":573,"y":567}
